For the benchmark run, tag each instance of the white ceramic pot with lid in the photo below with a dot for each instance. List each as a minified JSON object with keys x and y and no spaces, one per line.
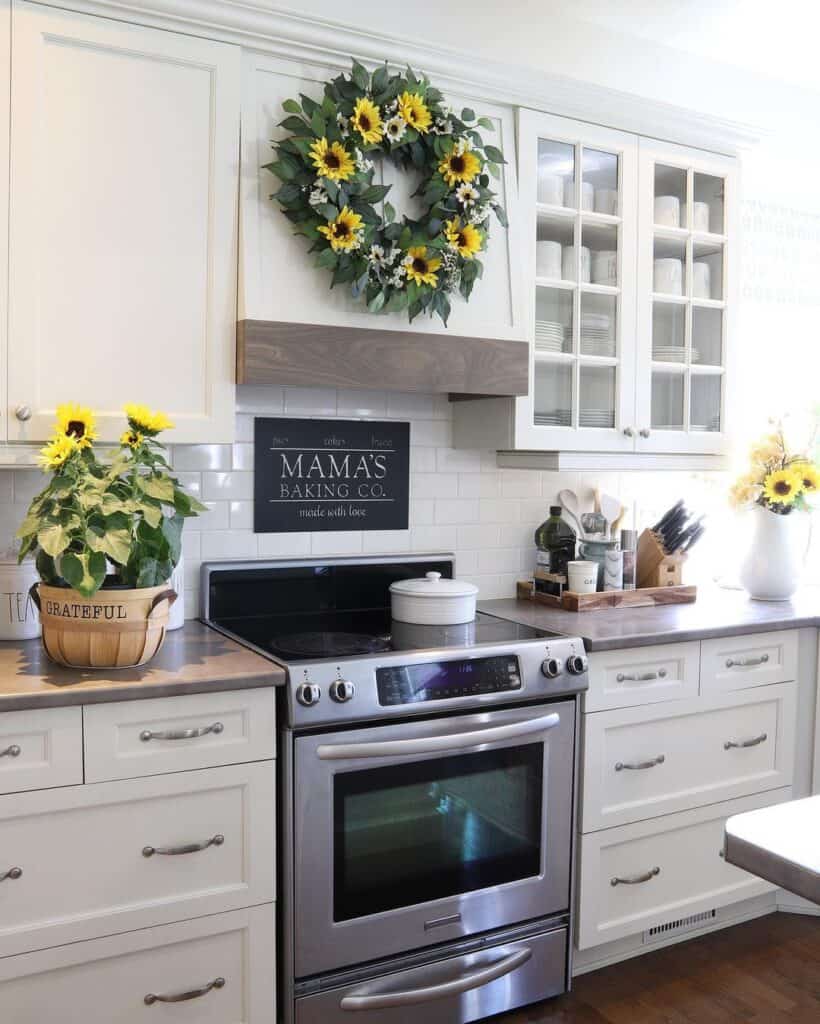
{"x":433,"y":601}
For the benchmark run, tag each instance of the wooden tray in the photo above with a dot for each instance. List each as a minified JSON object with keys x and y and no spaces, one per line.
{"x":643,"y":597}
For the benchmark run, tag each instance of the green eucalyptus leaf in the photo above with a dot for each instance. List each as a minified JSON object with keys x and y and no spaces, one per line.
{"x":485,"y":122}
{"x":291,"y":107}
{"x":360,"y":76}
{"x":376,"y":304}
{"x":467,"y":114}
{"x":494,"y":155}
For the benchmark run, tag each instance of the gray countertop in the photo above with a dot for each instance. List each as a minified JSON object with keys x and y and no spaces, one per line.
{"x":194,"y":659}
{"x":716,"y":612}
{"x":779,"y":843}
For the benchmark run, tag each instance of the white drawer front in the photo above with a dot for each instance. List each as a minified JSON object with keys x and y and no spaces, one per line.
{"x":735,"y":662}
{"x":638,"y":876}
{"x":40,"y":749}
{"x":82,"y":854}
{"x":149,"y":737}
{"x":643,"y":675}
{"x":107,"y":980}
{"x":642,"y":762}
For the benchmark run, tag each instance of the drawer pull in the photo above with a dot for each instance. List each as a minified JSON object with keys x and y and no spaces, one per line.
{"x":640,"y":677}
{"x":12,"y":751}
{"x":176,"y":851}
{"x":754,"y":742}
{"x":12,"y":873}
{"x":746,"y":662}
{"x":182,"y":734}
{"x":647,"y":876}
{"x":182,"y":997}
{"x":639,"y":766}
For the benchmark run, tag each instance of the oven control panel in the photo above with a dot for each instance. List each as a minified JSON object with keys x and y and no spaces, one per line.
{"x":444,"y":680}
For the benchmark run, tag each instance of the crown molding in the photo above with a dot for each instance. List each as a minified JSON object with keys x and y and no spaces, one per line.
{"x":296,"y":37}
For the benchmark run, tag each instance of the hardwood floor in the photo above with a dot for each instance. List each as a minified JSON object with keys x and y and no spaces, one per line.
{"x":766,"y":971}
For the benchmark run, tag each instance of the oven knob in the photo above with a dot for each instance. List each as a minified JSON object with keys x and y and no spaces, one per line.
{"x":341,"y":690}
{"x":551,"y":667}
{"x":577,"y":664}
{"x":308,"y":694}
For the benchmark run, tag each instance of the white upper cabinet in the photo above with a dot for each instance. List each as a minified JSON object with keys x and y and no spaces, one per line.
{"x":278,"y":278}
{"x":124,"y":172}
{"x":5,"y":57}
{"x":686,"y":297}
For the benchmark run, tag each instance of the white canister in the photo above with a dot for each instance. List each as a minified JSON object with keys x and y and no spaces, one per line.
{"x":587,"y":194}
{"x":583,"y":577}
{"x":433,"y":601}
{"x":19,"y":619}
{"x":667,"y":211}
{"x":551,"y":189}
{"x":669,"y":276}
{"x":605,"y":267}
{"x":701,"y":280}
{"x":568,"y":264}
{"x":176,"y":616}
{"x":606,"y":200}
{"x":548,"y":259}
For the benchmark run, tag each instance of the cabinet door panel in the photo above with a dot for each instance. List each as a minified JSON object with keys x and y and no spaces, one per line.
{"x":123,"y":223}
{"x":5,"y":57}
{"x":278,"y":279}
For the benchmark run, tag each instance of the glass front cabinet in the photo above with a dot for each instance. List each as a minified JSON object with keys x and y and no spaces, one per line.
{"x":626,"y":259}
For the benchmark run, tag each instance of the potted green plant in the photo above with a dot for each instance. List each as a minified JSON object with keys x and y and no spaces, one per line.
{"x":105,"y":536}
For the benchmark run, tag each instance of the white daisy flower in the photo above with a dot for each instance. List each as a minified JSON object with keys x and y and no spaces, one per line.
{"x":318,"y":196}
{"x":467,"y":194}
{"x":378,"y":257}
{"x":442,"y":126}
{"x":395,"y":128}
{"x":478,"y":215}
{"x":343,"y":123}
{"x":362,"y":162}
{"x":397,"y":277}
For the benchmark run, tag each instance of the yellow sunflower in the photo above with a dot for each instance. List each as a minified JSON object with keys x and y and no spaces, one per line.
{"x":332,"y":160}
{"x":782,"y":486}
{"x":58,"y":451}
{"x":414,"y":111}
{"x":366,"y":120}
{"x":421,"y":268}
{"x":131,"y":439}
{"x":459,"y":165}
{"x":466,"y":239}
{"x":143,"y":420}
{"x":78,"y":422}
{"x":343,"y":233}
{"x":809,"y":476}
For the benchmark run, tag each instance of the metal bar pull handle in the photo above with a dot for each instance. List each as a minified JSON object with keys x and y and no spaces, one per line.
{"x":12,"y":873}
{"x":739,"y":744}
{"x":176,"y":851}
{"x":746,"y":662}
{"x":647,"y":876}
{"x":183,"y":997}
{"x":639,"y":766}
{"x":12,"y":751}
{"x":640,"y":677}
{"x":182,"y":734}
{"x":433,"y":744}
{"x":425,"y":994}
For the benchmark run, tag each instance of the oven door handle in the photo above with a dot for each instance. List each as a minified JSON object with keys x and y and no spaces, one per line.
{"x":434,"y":744}
{"x":411,"y":996}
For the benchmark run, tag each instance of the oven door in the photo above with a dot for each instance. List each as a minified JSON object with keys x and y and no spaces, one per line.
{"x":417,"y":833}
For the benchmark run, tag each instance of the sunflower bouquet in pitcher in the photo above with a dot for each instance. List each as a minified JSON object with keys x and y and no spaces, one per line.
{"x":106,"y":535}
{"x":778,"y":479}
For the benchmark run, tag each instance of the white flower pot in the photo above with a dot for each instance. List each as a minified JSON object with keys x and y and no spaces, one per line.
{"x":772,"y":568}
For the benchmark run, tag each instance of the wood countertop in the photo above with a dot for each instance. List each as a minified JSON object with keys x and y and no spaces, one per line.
{"x":194,"y":659}
{"x":716,"y":612}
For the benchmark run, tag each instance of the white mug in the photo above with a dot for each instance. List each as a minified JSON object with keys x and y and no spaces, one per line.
{"x":606,"y":200}
{"x":568,"y":264}
{"x":551,"y":189}
{"x":548,"y":259}
{"x":605,"y":267}
{"x":587,"y":194}
{"x":667,"y":211}
{"x":669,"y":276}
{"x":583,"y":577}
{"x":700,"y":217}
{"x":701,"y":280}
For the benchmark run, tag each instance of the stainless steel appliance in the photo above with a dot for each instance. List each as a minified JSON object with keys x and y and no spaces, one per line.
{"x":428,"y":784}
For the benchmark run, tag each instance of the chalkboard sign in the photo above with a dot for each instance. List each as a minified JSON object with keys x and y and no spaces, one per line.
{"x":313,"y":475}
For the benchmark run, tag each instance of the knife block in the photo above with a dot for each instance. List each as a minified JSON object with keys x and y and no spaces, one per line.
{"x":654,"y":567}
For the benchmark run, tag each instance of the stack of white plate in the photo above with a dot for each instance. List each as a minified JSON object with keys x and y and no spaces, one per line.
{"x":550,"y":335}
{"x":597,"y":418}
{"x":672,"y":354}
{"x":597,"y":334}
{"x":554,"y":418}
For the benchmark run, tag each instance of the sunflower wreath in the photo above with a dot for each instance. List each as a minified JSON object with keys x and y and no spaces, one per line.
{"x":326,"y":166}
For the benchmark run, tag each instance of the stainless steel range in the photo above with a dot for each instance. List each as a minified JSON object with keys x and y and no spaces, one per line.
{"x":428,"y":791}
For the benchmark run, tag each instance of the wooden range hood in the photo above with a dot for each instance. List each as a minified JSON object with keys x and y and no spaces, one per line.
{"x":313,"y":355}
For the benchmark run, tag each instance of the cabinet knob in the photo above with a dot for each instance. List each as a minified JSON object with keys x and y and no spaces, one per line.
{"x":629,"y":431}
{"x":644,"y":431}
{"x":23,"y":413}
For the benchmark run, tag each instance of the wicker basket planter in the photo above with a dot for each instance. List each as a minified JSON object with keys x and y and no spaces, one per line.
{"x":115,"y":628}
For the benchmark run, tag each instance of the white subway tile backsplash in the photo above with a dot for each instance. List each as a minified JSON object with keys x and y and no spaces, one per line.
{"x":433,"y":485}
{"x":435,"y":433}
{"x":409,"y":406}
{"x":387,"y":541}
{"x":284,"y":545}
{"x":202,"y":456}
{"x":228,"y":544}
{"x":456,"y":510}
{"x":192,"y":482}
{"x":227,"y":486}
{"x":497,"y":510}
{"x":433,"y":538}
{"x":520,"y":483}
{"x":478,"y":485}
{"x":454,"y":460}
{"x":26,"y":483}
{"x":337,"y":542}
{"x":422,"y":460}
{"x":216,"y":516}
{"x":478,"y":536}
{"x":422,"y":513}
{"x":244,"y":428}
{"x":260,"y":401}
{"x":241,"y":515}
{"x":354,"y":403}
{"x":499,"y":560}
{"x":310,"y":402}
{"x":466,"y":563}
{"x":242,"y":458}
